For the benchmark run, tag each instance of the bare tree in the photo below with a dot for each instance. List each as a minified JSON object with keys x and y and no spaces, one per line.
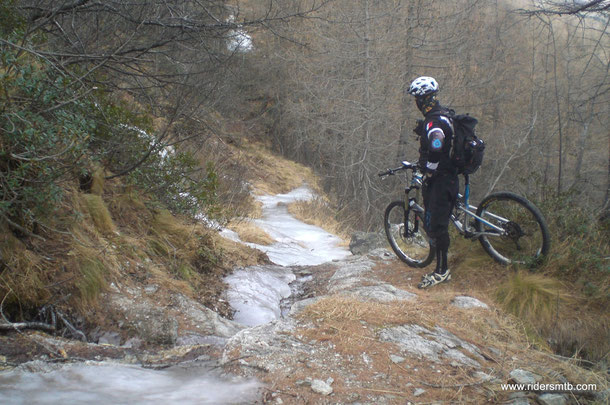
{"x":553,"y":7}
{"x":538,"y":84}
{"x":172,"y":58}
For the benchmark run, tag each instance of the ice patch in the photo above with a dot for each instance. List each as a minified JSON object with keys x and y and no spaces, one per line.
{"x":297,"y":243}
{"x":124,"y":384}
{"x":255,"y":293}
{"x":229,"y":234}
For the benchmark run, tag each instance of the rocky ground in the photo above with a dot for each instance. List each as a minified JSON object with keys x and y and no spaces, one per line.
{"x":367,"y":335}
{"x":359,"y":332}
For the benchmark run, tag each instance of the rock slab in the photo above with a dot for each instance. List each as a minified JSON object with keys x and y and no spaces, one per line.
{"x":321,"y":387}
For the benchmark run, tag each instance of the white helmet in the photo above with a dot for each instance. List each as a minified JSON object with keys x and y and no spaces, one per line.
{"x":423,"y":86}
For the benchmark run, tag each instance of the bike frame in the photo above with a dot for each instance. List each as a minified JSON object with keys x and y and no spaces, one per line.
{"x":462,"y":205}
{"x":472,"y":222}
{"x":463,"y":227}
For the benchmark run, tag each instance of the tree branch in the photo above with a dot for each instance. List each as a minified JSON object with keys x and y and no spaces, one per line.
{"x":27,"y":325}
{"x":49,"y":13}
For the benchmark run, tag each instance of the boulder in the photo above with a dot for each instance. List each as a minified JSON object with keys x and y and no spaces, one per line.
{"x":381,"y":292}
{"x":434,"y":345}
{"x":208,"y":322}
{"x":363,"y":242}
{"x":110,"y":338}
{"x":351,"y":273}
{"x":520,"y":376}
{"x":552,"y":399}
{"x":468,"y":302}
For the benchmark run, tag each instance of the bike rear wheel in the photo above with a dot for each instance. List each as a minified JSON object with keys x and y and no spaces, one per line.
{"x":525,"y":237}
{"x":412,"y":247}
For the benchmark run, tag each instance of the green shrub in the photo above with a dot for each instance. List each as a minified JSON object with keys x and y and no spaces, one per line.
{"x":581,"y":245}
{"x":45,"y":135}
{"x":126,"y":143}
{"x":53,"y":130}
{"x":9,"y":20}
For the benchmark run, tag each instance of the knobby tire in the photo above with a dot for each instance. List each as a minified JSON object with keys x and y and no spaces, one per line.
{"x":528,"y":240}
{"x":414,"y":250}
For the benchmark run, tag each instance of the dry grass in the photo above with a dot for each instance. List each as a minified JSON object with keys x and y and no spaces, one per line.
{"x":255,"y":208}
{"x":238,"y":255}
{"x":250,"y":232}
{"x":129,"y":210}
{"x":343,"y":309}
{"x":273,"y":174}
{"x":170,"y":229}
{"x":92,"y":280}
{"x":22,"y":272}
{"x":531,"y":297}
{"x":126,"y":242}
{"x":340,"y":318}
{"x":581,"y":335}
{"x":350,"y":327}
{"x":574,"y":325}
{"x":99,"y":213}
{"x":321,"y":213}
{"x":97,"y":181}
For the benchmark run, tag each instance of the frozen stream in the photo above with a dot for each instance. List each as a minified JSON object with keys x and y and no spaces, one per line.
{"x":296,"y":243}
{"x":108,"y":383}
{"x":256,"y":294}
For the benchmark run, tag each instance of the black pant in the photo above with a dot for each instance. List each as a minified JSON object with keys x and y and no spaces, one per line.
{"x":440,"y":193}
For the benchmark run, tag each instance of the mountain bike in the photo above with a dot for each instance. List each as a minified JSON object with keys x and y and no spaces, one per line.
{"x":510,"y":228}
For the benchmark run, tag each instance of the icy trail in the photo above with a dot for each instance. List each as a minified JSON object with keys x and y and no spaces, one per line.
{"x":256,"y":292}
{"x":296,"y":243}
{"x":111,"y":383}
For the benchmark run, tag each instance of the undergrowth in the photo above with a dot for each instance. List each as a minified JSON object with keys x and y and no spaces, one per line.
{"x":120,"y":236}
{"x":564,"y":301}
{"x":581,"y":248}
{"x":532,"y":297}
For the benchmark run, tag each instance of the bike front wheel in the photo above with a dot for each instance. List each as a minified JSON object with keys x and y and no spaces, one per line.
{"x":410,"y":243}
{"x":514,"y":230}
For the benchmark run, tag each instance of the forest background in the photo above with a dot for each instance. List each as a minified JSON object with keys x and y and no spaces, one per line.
{"x":155,"y":94}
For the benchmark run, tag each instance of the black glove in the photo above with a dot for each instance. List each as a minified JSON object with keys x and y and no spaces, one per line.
{"x":419,"y":128}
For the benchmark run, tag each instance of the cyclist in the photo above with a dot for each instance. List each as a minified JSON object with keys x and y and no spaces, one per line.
{"x":441,"y":184}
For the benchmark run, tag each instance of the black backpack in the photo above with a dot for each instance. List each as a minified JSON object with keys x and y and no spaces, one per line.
{"x":467,"y":151}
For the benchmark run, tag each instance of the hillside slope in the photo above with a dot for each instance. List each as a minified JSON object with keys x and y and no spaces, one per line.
{"x":358,"y":331}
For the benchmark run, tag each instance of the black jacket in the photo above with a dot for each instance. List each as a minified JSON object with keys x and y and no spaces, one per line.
{"x":435,"y":142}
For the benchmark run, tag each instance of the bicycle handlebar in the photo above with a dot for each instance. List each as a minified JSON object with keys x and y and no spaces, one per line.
{"x":405,"y":166}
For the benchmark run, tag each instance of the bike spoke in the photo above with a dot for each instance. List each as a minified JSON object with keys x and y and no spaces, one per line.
{"x":408,"y":242}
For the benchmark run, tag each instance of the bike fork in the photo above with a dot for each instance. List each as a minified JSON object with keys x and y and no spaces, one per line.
{"x":411,"y":206}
